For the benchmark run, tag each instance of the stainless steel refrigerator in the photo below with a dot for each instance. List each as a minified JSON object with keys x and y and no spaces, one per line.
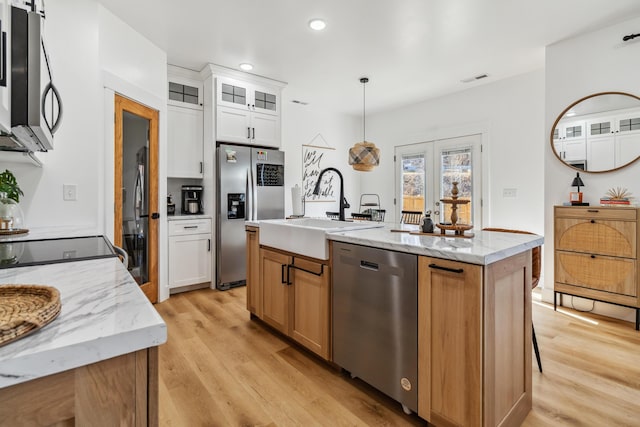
{"x":250,"y":186}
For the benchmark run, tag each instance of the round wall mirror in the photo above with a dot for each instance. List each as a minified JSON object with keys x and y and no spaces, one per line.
{"x":598,"y":133}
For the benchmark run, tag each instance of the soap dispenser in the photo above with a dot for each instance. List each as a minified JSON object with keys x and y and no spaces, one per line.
{"x":427,"y":224}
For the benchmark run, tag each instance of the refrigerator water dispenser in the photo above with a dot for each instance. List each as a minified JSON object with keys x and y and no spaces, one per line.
{"x":235,"y":206}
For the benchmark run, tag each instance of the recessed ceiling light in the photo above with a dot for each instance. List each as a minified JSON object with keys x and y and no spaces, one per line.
{"x":317,"y":24}
{"x":246,"y":66}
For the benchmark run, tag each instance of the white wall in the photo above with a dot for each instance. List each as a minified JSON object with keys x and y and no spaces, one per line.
{"x":71,"y":33}
{"x":300,"y":125}
{"x":86,"y":43}
{"x":595,"y":62}
{"x":510,"y":115}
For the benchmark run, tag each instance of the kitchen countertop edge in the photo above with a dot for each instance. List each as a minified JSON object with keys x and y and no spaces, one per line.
{"x":104,"y":314}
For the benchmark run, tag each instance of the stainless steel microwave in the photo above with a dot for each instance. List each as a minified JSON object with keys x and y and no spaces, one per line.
{"x":35,"y":103}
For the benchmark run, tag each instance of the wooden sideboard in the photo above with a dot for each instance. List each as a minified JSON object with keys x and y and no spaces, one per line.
{"x":596,"y":254}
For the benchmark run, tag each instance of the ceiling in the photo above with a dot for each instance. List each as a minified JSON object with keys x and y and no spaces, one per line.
{"x":411,"y":50}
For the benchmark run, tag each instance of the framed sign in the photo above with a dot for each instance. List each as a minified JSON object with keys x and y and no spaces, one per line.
{"x":316,"y":156}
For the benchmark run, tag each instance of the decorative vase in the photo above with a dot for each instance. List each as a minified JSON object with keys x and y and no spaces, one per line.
{"x":11,"y":217}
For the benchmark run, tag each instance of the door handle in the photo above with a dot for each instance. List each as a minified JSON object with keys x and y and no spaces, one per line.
{"x":3,"y":59}
{"x":254,"y":133}
{"x":208,"y":245}
{"x":248,"y":132}
{"x":452,"y":270}
{"x":367,"y":265}
{"x":201,"y":168}
{"x":282,"y":268}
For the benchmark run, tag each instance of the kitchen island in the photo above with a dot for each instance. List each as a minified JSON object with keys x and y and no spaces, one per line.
{"x":96,"y":363}
{"x":473,"y":313}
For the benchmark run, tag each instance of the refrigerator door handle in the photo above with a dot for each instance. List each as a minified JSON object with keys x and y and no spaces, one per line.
{"x":250,"y":196}
{"x":254,"y":194}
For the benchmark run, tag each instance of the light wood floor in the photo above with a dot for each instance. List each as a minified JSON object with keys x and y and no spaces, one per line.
{"x":219,"y":368}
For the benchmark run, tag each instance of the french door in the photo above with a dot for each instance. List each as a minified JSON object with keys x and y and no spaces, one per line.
{"x":136,"y":191}
{"x":425,"y":173}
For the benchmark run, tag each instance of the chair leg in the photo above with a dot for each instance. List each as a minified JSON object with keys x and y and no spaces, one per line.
{"x":535,"y":347}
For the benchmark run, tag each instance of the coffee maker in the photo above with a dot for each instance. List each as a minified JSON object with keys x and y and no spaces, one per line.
{"x":192,"y":199}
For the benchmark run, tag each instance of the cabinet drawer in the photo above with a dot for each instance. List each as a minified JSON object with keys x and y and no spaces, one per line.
{"x":595,"y":212}
{"x":596,"y":236}
{"x":608,"y":274}
{"x":189,"y":226}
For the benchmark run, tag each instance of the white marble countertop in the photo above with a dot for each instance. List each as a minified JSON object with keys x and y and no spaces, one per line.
{"x":486,"y":247}
{"x":104,"y":314}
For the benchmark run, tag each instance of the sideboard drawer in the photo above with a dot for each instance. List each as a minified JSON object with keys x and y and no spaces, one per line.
{"x":595,"y":212}
{"x":609,"y":274}
{"x":596,"y":236}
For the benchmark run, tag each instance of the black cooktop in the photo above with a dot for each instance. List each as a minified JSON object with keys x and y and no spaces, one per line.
{"x":49,"y":251}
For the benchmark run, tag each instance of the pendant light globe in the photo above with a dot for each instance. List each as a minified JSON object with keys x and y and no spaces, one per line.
{"x":364,"y":156}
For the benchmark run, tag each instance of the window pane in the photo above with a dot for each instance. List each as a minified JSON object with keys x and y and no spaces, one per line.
{"x":457,"y":167}
{"x":413,"y":182}
{"x":227,"y":89}
{"x":190,"y":90}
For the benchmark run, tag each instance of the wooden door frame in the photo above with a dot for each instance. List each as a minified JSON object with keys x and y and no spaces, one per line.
{"x":123,"y":104}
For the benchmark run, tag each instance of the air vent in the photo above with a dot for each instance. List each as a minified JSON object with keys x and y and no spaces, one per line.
{"x":295,"y":101}
{"x":474,"y":78}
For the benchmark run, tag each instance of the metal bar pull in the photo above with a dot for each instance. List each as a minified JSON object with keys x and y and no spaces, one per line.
{"x":305,"y":270}
{"x":368,"y":265}
{"x":189,"y":226}
{"x":452,"y":270}
{"x":282,"y":268}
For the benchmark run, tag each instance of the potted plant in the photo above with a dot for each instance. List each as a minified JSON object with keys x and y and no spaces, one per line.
{"x":10,"y":192}
{"x":9,"y":185}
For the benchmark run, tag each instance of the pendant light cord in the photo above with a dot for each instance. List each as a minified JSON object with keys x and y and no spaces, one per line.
{"x":364,"y":81}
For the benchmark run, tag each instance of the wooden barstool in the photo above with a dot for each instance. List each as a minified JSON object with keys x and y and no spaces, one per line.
{"x":411,"y":217}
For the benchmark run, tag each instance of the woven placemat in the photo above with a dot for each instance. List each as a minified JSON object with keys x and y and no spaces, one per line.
{"x":25,"y":309}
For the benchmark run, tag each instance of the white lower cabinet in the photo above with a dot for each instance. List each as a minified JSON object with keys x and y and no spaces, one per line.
{"x":190,"y":256}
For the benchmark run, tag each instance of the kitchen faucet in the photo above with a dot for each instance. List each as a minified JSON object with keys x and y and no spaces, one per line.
{"x":343,"y":202}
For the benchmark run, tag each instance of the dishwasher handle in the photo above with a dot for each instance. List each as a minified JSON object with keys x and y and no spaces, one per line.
{"x":368,"y":265}
{"x":452,"y":270}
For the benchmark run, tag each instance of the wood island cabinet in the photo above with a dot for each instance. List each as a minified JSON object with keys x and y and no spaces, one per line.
{"x":596,"y":254}
{"x":119,"y":391}
{"x":474,"y":342}
{"x":275,"y":292}
{"x":474,"y":328}
{"x":290,"y":293}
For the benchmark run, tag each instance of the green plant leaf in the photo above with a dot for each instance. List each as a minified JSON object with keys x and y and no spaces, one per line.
{"x":9,"y":185}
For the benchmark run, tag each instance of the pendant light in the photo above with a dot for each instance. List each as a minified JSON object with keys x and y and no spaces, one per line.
{"x":364,"y":156}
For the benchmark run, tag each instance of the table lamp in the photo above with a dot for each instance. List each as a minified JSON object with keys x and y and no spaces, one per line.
{"x":575,"y":197}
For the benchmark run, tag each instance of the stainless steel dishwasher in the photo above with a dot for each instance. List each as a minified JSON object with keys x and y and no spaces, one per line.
{"x":375,"y":318}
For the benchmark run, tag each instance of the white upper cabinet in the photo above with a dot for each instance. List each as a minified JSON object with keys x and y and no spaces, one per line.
{"x":569,"y":140}
{"x":185,"y":142}
{"x":613,"y":141}
{"x":247,"y":113}
{"x":235,"y":93}
{"x":185,"y":92}
{"x":185,"y":128}
{"x":5,"y":66}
